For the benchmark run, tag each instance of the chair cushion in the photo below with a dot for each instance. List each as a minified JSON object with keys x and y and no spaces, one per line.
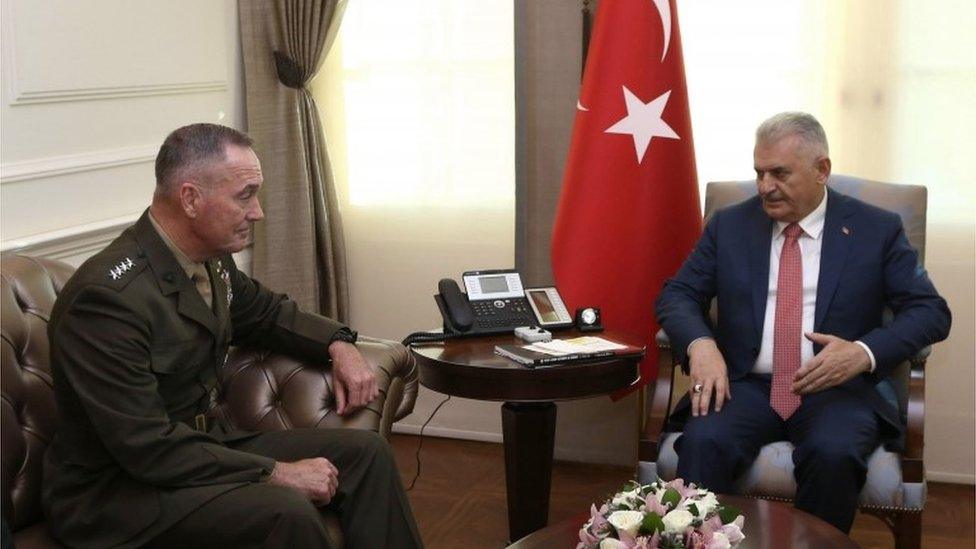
{"x":771,"y":475}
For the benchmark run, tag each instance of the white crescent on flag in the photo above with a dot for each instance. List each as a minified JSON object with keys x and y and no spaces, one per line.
{"x":664,"y":9}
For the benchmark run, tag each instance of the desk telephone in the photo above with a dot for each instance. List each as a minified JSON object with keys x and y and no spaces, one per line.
{"x":495,"y":302}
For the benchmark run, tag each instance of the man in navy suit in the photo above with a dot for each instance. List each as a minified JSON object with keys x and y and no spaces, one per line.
{"x":802,"y":275}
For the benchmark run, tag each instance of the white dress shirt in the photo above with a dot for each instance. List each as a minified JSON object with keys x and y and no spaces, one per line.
{"x":810,"y":242}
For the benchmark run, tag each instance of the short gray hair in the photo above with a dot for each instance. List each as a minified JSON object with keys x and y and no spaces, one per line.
{"x":191,"y":148}
{"x":786,"y":124}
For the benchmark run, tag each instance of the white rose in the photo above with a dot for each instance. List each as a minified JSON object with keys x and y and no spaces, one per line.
{"x":677,"y":520}
{"x":610,"y":543}
{"x":628,"y":521}
{"x":625,"y":498}
{"x":719,"y":541}
{"x":706,"y":504}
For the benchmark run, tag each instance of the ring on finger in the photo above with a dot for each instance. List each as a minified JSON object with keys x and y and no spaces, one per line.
{"x":697,"y":388}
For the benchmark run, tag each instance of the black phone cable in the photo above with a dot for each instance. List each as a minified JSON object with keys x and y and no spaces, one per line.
{"x":421,"y":444}
{"x":428,"y":337}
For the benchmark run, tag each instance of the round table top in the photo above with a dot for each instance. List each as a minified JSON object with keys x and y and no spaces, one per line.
{"x":468,"y":367}
{"x":768,"y":524}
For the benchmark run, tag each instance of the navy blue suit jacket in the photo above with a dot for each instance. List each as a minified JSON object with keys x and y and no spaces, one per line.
{"x":866,"y":265}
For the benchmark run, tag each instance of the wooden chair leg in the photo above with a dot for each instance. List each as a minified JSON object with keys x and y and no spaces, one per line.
{"x":908,"y":530}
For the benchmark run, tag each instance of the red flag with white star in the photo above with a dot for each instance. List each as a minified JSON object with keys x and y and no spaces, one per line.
{"x":629,"y":212}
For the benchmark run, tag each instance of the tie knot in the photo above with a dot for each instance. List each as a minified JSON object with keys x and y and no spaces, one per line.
{"x":793,"y":231}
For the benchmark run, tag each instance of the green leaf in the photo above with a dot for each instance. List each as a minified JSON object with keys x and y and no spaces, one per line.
{"x":671,"y":498}
{"x":693,"y":509}
{"x":728,"y":513}
{"x":651,"y":523}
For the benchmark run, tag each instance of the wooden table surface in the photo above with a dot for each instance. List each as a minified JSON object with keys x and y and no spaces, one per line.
{"x":768,"y":525}
{"x":469,"y":368}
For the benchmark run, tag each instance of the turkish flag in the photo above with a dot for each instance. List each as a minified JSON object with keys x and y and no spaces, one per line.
{"x":629,"y":213}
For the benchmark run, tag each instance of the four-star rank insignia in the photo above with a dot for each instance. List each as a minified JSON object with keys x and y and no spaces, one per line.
{"x":121,"y":268}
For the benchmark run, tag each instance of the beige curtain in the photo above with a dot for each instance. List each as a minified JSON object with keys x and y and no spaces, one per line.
{"x":298,"y":248}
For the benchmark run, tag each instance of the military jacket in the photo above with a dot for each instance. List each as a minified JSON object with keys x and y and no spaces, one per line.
{"x":135,"y":354}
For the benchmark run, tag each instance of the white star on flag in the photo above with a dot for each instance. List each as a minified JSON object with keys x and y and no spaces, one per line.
{"x":643,"y":121}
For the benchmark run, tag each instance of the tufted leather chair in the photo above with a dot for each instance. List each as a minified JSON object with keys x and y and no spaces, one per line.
{"x":264,"y":391}
{"x":895,"y":487}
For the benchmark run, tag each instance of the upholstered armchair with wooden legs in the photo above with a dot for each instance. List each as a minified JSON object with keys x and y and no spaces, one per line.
{"x":895,"y":488}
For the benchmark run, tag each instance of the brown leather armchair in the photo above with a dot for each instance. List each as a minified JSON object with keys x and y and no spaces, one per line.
{"x":264,"y":391}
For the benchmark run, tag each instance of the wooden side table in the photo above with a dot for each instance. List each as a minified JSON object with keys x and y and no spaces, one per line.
{"x":769,"y":525}
{"x":469,"y":368}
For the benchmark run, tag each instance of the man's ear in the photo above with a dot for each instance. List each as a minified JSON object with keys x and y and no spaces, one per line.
{"x":823,"y":170}
{"x":190,"y":198}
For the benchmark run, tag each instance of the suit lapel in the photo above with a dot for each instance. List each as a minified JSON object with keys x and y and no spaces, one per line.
{"x":759,"y":236}
{"x":171,"y":277}
{"x":837,"y":240}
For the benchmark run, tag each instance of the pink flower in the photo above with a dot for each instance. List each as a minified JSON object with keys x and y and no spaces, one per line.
{"x":694,"y":539}
{"x":685,"y":491}
{"x":654,"y":506}
{"x":733,"y":530}
{"x":587,"y":539}
{"x":598,"y":522}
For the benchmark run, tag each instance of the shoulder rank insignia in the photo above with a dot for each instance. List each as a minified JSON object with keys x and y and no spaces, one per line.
{"x":121,"y":268}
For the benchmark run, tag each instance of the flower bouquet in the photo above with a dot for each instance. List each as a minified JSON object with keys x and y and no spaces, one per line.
{"x":662,"y":515}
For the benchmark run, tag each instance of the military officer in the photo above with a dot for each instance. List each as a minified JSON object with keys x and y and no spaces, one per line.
{"x":137,"y":337}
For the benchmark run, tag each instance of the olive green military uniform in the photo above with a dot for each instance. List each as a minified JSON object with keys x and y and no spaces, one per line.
{"x":135,"y":356}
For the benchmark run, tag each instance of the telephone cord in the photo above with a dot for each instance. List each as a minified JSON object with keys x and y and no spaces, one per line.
{"x":421,"y":444}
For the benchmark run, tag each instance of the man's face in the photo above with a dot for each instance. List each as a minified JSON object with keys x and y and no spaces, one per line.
{"x":790,"y":177}
{"x":228,"y":203}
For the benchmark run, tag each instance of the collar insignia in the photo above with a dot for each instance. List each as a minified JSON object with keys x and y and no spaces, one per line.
{"x":121,"y":268}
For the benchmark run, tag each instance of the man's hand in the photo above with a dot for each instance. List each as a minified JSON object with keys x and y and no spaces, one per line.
{"x":838,"y":361}
{"x":707,"y":367}
{"x":317,"y":478}
{"x":355,"y":380}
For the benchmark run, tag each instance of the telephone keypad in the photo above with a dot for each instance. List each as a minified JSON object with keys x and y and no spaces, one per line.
{"x":502,"y":314}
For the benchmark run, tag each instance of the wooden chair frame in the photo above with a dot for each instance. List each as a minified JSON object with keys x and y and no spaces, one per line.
{"x":905,"y":524}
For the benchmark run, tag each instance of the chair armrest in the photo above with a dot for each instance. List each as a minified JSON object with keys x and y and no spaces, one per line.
{"x":912,"y":464}
{"x":398,"y":390}
{"x":659,"y":404}
{"x":264,"y":391}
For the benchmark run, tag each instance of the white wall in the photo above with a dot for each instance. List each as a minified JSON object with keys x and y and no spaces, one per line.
{"x":90,"y":90}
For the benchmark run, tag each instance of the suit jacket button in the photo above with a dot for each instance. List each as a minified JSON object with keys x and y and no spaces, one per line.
{"x":168,"y":277}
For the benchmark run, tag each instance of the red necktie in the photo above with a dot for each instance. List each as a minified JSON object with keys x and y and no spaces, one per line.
{"x":788,"y":326}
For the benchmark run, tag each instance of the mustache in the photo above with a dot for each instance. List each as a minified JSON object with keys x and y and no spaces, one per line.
{"x":771,"y":196}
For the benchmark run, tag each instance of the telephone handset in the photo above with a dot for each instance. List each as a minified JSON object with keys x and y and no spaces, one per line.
{"x":454,"y":306}
{"x":496,"y":302}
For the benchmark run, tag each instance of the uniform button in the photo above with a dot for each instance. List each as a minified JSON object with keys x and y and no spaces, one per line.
{"x":141,"y":254}
{"x":168,"y":277}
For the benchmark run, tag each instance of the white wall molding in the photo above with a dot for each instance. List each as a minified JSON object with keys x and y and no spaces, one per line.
{"x":70,"y":242}
{"x":74,"y":163}
{"x":952,"y":478}
{"x":19,"y":97}
{"x":447,"y":432}
{"x":25,"y":92}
